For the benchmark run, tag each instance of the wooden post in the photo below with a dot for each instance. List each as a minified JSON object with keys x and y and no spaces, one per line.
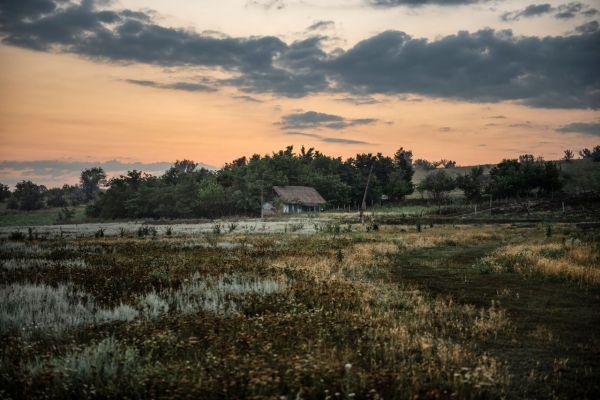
{"x":262,"y":210}
{"x":563,"y":207}
{"x":475,"y":209}
{"x":490,"y":204}
{"x":364,"y":200}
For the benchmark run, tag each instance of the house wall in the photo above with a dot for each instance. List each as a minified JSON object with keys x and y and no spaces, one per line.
{"x":297,"y":208}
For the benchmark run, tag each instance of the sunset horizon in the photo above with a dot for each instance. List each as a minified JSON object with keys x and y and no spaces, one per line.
{"x":156,"y":82}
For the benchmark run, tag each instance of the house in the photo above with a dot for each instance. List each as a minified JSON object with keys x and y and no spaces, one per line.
{"x":297,"y":199}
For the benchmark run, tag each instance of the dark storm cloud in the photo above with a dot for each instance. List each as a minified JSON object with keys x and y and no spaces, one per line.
{"x":587,"y":128}
{"x":588,"y":27}
{"x":532,"y":10}
{"x":317,"y":120}
{"x":418,"y":3}
{"x":572,"y":10}
{"x":186,"y":86}
{"x":484,"y":66}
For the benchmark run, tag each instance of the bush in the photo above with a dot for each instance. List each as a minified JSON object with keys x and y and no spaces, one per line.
{"x":16,"y":235}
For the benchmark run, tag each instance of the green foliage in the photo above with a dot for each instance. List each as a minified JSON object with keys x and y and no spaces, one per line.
{"x":28,"y":196}
{"x":593,"y":154}
{"x":4,"y":193}
{"x":66,"y":215}
{"x":438,"y":184}
{"x":91,"y":179}
{"x":472,"y":184}
{"x":515,"y":178}
{"x":186,"y":191}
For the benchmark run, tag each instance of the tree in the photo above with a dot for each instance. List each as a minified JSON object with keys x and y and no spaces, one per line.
{"x":212,"y":199}
{"x":593,"y":154}
{"x":28,"y":196}
{"x":400,"y":179}
{"x":4,"y":193}
{"x":447,"y":163}
{"x":91,"y":179}
{"x":585,"y":153}
{"x":424,"y":164}
{"x":55,"y":197}
{"x":472,"y":184}
{"x":179,"y":170}
{"x":550,"y":180}
{"x":569,"y":155}
{"x":438,"y":184}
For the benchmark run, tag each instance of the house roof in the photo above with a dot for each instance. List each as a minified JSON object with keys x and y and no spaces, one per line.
{"x":303,"y":195}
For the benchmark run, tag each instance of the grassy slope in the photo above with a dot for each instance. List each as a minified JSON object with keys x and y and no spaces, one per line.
{"x":47,"y":216}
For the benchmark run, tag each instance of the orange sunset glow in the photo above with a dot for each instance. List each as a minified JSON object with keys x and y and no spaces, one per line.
{"x":60,"y":103}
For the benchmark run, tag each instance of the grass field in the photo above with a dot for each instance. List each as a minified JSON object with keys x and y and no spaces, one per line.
{"x":453,"y":311}
{"x":45,"y":216}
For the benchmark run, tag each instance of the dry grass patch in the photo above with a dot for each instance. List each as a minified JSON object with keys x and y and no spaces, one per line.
{"x":578,"y":263}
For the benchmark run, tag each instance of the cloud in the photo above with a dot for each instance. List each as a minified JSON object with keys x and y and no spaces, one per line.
{"x":248,"y":98}
{"x":483,"y":66}
{"x":445,"y":129}
{"x":572,"y":10}
{"x":498,"y":117}
{"x":587,"y":128}
{"x":359,"y":100}
{"x":532,"y":10}
{"x":266,"y":4}
{"x":321,"y":25}
{"x":526,"y":124}
{"x":57,"y":172}
{"x":588,"y":27}
{"x":327,"y":139}
{"x":342,"y":141}
{"x":186,"y":86}
{"x":418,"y":3}
{"x":317,"y":120}
{"x":564,"y":11}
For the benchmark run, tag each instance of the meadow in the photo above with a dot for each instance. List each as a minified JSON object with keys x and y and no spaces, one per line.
{"x":316,"y":309}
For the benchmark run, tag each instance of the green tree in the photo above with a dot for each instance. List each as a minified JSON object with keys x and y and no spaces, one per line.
{"x":29,"y":196}
{"x":4,"y":193}
{"x":472,"y":184}
{"x":438,"y":185}
{"x":90,"y":180}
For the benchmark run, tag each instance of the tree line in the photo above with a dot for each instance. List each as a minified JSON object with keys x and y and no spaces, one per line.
{"x":187,"y":191}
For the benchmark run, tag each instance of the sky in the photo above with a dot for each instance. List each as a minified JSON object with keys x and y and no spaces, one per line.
{"x":139,"y":84}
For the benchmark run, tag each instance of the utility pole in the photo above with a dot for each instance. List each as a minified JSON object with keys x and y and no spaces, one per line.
{"x":262,"y":209}
{"x":363,"y":207}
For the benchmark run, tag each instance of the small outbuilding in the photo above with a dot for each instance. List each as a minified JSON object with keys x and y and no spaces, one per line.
{"x":297,"y":199}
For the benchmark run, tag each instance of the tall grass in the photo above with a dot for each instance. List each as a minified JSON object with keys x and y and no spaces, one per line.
{"x":28,"y":308}
{"x":579,"y":263}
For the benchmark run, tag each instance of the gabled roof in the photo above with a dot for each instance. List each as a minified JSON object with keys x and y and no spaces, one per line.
{"x":303,"y":195}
